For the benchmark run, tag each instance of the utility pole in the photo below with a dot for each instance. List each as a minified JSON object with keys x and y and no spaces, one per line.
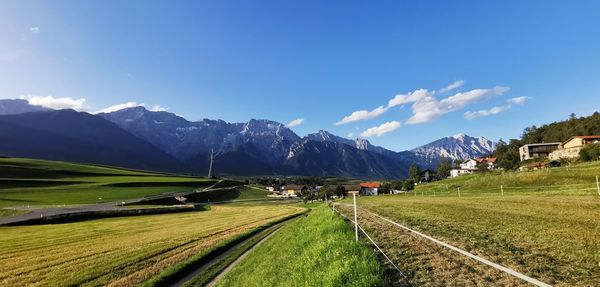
{"x":212,"y":159}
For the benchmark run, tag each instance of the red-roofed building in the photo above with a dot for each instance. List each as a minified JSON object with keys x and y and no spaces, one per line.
{"x":370,"y":188}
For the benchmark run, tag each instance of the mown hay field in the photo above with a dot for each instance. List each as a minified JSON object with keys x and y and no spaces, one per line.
{"x":315,"y":250}
{"x":553,"y":238}
{"x":121,"y":251}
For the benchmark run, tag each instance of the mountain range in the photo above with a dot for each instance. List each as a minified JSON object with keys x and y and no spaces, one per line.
{"x":138,"y":138}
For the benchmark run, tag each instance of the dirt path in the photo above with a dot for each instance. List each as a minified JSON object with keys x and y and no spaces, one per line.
{"x":210,"y":264}
{"x":239,"y":259}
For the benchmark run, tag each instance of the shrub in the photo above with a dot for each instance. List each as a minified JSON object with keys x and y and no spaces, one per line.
{"x":590,"y":152}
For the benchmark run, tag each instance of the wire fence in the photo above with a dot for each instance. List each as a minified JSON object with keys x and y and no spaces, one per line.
{"x":376,"y":246}
{"x":502,"y":190}
{"x":444,"y":244}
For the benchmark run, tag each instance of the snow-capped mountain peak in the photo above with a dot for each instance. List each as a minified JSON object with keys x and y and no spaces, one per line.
{"x":457,"y":147}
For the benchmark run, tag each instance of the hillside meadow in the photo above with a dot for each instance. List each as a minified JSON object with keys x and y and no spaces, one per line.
{"x":28,"y":182}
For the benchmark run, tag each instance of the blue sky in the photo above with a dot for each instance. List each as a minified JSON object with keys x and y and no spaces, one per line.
{"x":513,"y":63}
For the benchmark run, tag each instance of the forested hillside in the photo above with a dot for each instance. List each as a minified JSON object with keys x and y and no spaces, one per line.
{"x":508,"y":153}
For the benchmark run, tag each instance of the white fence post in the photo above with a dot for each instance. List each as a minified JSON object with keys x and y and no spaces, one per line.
{"x":502,"y":189}
{"x":597,"y":185}
{"x":355,"y":217}
{"x":458,"y":191}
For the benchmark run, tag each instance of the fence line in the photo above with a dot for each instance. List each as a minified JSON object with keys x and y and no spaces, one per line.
{"x":375,"y":244}
{"x":470,"y":255}
{"x":498,"y":190}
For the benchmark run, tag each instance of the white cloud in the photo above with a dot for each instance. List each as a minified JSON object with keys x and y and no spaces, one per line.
{"x":470,"y":115}
{"x":429,"y":108}
{"x":362,"y":115}
{"x":381,"y":129}
{"x":119,"y":107}
{"x":55,"y":103}
{"x":350,"y":135}
{"x":517,"y":100}
{"x":158,"y":108}
{"x":295,"y":122}
{"x":455,"y":85}
{"x":483,"y":113}
{"x":34,"y":30}
{"x":409,"y":98}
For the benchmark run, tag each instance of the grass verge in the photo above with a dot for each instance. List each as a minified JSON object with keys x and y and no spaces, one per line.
{"x":316,"y":250}
{"x":241,"y":243}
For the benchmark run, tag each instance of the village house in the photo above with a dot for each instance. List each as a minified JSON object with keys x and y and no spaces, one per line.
{"x":370,"y":188}
{"x":539,"y":150}
{"x":570,"y":149}
{"x":293,"y":190}
{"x":471,"y":166}
{"x":426,"y":176}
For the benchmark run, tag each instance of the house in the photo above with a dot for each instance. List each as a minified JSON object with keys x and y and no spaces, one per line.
{"x":539,"y":150}
{"x":352,"y":188}
{"x":270,"y":188}
{"x":369,"y":188}
{"x":471,"y":166}
{"x":571,"y":148}
{"x":491,"y":161}
{"x":426,"y":175}
{"x":293,"y":190}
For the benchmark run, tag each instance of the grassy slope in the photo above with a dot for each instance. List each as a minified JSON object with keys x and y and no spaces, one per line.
{"x":123,"y":251}
{"x":38,"y":182}
{"x":550,"y":233}
{"x":577,"y":179}
{"x":316,"y":250}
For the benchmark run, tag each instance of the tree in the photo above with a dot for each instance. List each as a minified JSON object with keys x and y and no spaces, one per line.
{"x":340,"y":191}
{"x":443,"y":169}
{"x":408,"y":185}
{"x":507,"y":155}
{"x":414,"y":173}
{"x":590,"y":152}
{"x":482,"y":166}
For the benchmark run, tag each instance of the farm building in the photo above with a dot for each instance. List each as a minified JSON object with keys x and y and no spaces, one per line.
{"x":370,"y":188}
{"x":571,"y":148}
{"x":352,"y":188}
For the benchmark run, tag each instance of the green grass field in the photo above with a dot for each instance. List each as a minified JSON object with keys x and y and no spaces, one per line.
{"x":577,"y":179}
{"x":44,"y":183}
{"x":121,"y":251}
{"x":315,"y":250}
{"x":545,"y":227}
